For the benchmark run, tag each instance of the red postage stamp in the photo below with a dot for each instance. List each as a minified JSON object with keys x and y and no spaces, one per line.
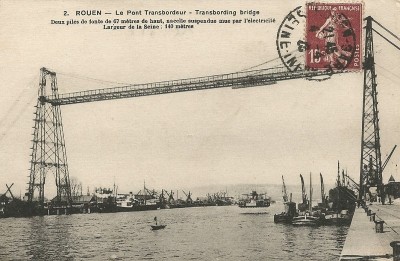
{"x":333,"y":36}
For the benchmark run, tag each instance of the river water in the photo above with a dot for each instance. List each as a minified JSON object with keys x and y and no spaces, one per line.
{"x":205,"y":233}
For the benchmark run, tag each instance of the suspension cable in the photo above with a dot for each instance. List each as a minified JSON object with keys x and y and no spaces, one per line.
{"x":386,"y":39}
{"x":387,"y":30}
{"x":258,"y":65}
{"x":392,"y":73}
{"x":17,"y":100}
{"x":5,"y":128}
{"x":389,"y":75}
{"x":91,"y":79}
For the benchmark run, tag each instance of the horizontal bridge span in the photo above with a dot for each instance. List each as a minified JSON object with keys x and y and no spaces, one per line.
{"x":233,"y":80}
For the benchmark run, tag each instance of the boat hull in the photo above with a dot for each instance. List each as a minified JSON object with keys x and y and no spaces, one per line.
{"x":337,"y":219}
{"x":137,"y":208}
{"x":253,"y":210}
{"x":158,"y":227}
{"x":283,"y":218}
{"x":306,"y":220}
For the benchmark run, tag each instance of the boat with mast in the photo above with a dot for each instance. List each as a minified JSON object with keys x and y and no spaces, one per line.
{"x":323,"y":206}
{"x":303,"y":206}
{"x":146,"y":200}
{"x":290,"y":207}
{"x":143,"y":200}
{"x":341,"y":203}
{"x":306,"y":216}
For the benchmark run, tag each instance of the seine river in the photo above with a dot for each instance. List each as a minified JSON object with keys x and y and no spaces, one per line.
{"x":208,"y":233}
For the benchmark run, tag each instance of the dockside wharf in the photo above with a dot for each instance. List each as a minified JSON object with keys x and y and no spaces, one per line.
{"x":374,"y":234}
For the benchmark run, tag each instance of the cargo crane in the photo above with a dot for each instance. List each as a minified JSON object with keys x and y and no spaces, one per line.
{"x":304,"y":204}
{"x":284,"y":192}
{"x":48,"y":145}
{"x":352,"y":184}
{"x":286,"y":199}
{"x":170,"y":195}
{"x":290,"y":207}
{"x":162,"y":198}
{"x":323,"y":196}
{"x":8,"y":191}
{"x":388,"y":158}
{"x":189,"y":199}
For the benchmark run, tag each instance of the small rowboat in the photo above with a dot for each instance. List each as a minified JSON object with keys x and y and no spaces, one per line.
{"x":157,"y":227}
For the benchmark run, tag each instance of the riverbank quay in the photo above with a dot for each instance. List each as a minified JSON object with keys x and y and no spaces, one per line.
{"x":371,"y":233}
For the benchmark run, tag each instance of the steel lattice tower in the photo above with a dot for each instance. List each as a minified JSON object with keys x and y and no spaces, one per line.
{"x":371,"y":164}
{"x":49,"y":153}
{"x":48,"y":150}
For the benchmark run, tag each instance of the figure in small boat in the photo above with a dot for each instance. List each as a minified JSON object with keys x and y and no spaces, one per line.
{"x":156,"y":226}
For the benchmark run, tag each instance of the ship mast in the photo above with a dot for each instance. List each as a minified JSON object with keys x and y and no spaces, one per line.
{"x":338,"y":174}
{"x":322,"y":189}
{"x":144,"y":191}
{"x":310,"y":207}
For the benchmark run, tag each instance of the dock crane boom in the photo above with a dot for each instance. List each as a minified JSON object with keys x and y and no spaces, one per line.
{"x":188,"y":197}
{"x":9,"y":191}
{"x":388,"y":158}
{"x":322,"y":189}
{"x":284,"y":192}
{"x":303,"y":190}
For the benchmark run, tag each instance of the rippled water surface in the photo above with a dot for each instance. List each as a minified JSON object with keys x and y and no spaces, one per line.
{"x":209,"y":233}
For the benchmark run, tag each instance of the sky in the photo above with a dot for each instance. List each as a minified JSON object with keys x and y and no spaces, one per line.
{"x":212,"y":137}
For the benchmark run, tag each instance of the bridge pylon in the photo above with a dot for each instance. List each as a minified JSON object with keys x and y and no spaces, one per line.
{"x":48,"y":145}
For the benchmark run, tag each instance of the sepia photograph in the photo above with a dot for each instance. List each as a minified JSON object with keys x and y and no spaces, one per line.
{"x":199,"y":130}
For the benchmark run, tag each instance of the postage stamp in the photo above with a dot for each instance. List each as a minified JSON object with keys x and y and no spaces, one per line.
{"x":333,"y":36}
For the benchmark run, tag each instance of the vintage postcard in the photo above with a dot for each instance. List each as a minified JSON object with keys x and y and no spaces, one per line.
{"x":199,"y":130}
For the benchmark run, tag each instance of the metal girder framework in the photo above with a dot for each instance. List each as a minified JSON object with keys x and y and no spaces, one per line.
{"x":49,"y":153}
{"x":234,"y":80}
{"x":370,"y":164}
{"x":48,"y":150}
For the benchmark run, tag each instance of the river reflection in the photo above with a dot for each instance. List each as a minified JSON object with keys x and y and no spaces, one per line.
{"x":50,"y":238}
